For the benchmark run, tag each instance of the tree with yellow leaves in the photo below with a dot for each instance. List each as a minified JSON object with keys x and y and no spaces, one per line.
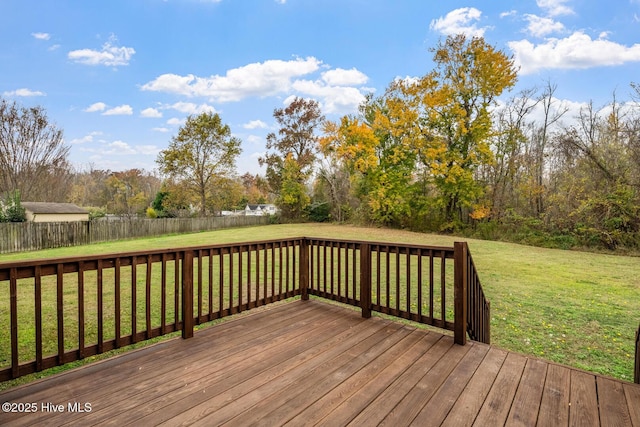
{"x":380,"y":162}
{"x":447,"y":115}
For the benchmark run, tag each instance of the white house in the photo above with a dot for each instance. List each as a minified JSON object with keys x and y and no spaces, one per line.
{"x":260,"y":210}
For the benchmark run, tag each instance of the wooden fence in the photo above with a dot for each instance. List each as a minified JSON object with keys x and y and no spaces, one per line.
{"x":29,"y":236}
{"x":57,"y":311}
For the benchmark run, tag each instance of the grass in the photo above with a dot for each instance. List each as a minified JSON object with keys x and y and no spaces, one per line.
{"x":576,"y":308}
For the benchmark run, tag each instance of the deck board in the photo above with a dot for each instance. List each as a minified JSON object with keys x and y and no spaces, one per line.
{"x":437,"y":408}
{"x":632,"y":394}
{"x":526,"y":403}
{"x":554,"y":406}
{"x":313,"y":363}
{"x":613,"y":403}
{"x":584,"y":400}
{"x":468,"y":405}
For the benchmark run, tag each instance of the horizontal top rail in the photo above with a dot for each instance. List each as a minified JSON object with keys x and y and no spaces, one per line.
{"x":89,"y":259}
{"x":374,"y":243}
{"x":49,"y":265}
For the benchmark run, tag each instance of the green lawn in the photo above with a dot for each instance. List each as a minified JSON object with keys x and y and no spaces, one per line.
{"x":576,"y":308}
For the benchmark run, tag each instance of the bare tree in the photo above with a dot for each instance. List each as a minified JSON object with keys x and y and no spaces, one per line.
{"x":509,"y":140}
{"x":33,"y":157}
{"x":539,"y":144}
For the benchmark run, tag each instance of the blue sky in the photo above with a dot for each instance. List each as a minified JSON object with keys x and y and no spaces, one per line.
{"x":120,"y":76}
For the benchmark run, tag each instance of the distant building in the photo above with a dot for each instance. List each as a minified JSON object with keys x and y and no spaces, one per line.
{"x":54,"y":212}
{"x":260,"y":210}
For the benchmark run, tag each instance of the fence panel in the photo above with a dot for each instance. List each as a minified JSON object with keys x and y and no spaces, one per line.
{"x":31,"y":236}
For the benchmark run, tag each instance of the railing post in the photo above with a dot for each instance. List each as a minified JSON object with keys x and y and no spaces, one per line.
{"x":187,"y":294}
{"x":460,"y":253}
{"x":304,"y":269}
{"x":365,"y":279}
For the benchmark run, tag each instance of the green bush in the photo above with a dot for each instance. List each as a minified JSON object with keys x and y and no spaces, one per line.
{"x":11,"y":210}
{"x":320,"y":212}
{"x":95,"y":213}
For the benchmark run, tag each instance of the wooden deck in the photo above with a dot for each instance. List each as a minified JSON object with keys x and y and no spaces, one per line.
{"x":311,"y":363}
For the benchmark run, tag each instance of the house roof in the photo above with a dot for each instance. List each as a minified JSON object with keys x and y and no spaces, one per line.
{"x":260,"y":206}
{"x":53,"y":208}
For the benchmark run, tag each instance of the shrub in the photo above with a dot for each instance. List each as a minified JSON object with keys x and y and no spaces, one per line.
{"x":320,"y":212}
{"x":11,"y":210}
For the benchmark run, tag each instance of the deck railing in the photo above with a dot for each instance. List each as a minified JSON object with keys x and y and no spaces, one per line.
{"x":61,"y":310}
{"x":427,"y":284}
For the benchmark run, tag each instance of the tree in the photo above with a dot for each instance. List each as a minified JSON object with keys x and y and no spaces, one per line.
{"x":538,"y":147}
{"x":202,"y":152}
{"x":228,"y":192}
{"x":33,"y":157}
{"x":293,"y":199}
{"x":255,"y":189}
{"x":333,"y":182}
{"x":296,"y":136}
{"x":130,"y":192}
{"x":509,"y":142}
{"x":447,"y":114}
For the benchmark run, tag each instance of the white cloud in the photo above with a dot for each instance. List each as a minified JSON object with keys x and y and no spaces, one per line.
{"x":85,"y":139}
{"x":147,"y":149}
{"x":334,"y":99}
{"x":260,"y":79}
{"x":98,"y":106}
{"x":150,"y":113}
{"x":408,"y":80}
{"x":176,"y":121}
{"x":255,"y":124}
{"x":540,"y":27}
{"x":458,"y":21}
{"x":253,"y":139}
{"x":336,"y":89}
{"x":161,"y":129}
{"x":53,"y":47}
{"x":578,"y":51}
{"x":555,"y":7}
{"x":508,"y":13}
{"x":341,"y":77}
{"x":121,"y":110}
{"x":24,"y":92}
{"x":41,"y":36}
{"x":109,"y":55}
{"x":119,"y":147}
{"x":190,"y":108}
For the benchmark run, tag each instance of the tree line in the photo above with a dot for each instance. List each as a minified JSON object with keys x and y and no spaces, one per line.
{"x":444,"y":152}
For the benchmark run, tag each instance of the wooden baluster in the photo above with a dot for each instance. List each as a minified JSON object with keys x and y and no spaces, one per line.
{"x":365,"y":280}
{"x":187,"y":295}
{"x":460,"y":254}
{"x":13,"y":302}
